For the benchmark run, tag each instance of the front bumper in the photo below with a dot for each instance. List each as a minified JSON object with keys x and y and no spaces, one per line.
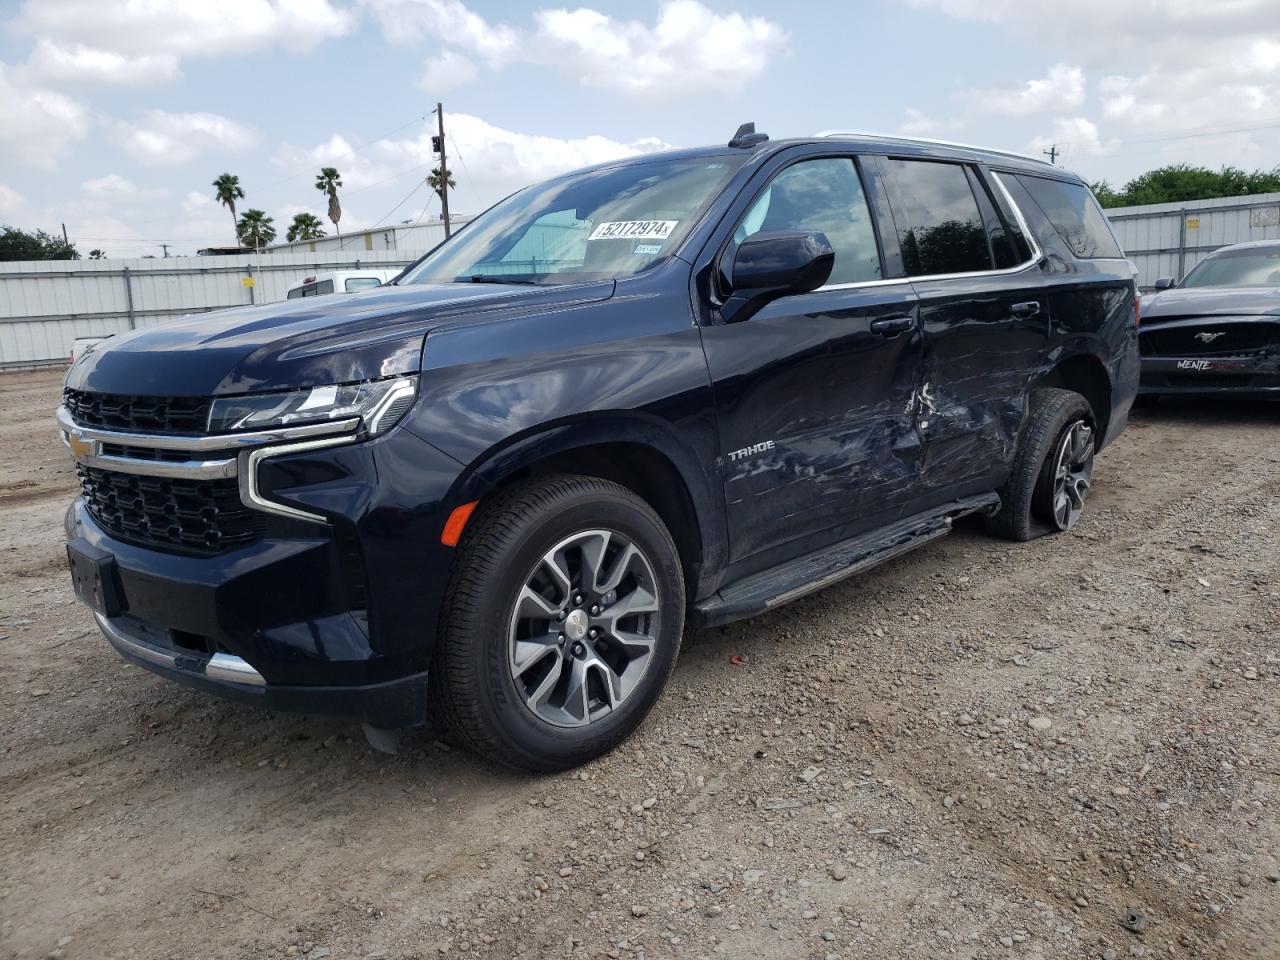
{"x":390,"y":705}
{"x":332,"y":615}
{"x":1173,"y":376}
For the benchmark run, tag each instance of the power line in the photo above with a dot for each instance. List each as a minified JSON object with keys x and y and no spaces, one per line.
{"x":1187,"y":133}
{"x":416,"y":187}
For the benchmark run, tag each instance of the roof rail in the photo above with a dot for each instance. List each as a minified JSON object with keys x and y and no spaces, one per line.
{"x":941,"y":143}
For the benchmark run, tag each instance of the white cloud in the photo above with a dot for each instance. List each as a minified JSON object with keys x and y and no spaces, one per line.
{"x":447,"y":70}
{"x":917,"y":123}
{"x":143,"y":41}
{"x":407,"y":21}
{"x":1076,"y":136}
{"x":113,"y":187}
{"x":76,"y":63}
{"x":10,"y":201}
{"x":488,"y":161}
{"x":1062,"y":89}
{"x":688,"y":48}
{"x":37,"y":126}
{"x":161,"y":138}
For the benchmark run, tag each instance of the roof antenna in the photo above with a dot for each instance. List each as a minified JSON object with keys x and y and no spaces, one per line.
{"x":747,"y":136}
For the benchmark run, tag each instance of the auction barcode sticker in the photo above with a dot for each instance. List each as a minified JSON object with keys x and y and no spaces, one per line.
{"x":634,"y":230}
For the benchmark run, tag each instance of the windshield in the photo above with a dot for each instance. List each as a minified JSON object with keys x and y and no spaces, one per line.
{"x":599,"y":225}
{"x":1245,"y":268}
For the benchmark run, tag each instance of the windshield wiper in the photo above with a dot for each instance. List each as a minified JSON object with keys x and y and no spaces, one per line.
{"x":494,"y":278}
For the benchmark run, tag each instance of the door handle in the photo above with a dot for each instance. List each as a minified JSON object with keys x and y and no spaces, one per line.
{"x":892,"y":326}
{"x":1026,"y":310}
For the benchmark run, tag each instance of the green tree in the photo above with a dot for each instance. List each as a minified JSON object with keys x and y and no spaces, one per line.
{"x":305,"y":226}
{"x":96,"y":254}
{"x":1180,"y":182}
{"x":227,"y":190}
{"x":255,"y":229}
{"x":18,"y":244}
{"x":433,"y":180}
{"x":328,"y":182}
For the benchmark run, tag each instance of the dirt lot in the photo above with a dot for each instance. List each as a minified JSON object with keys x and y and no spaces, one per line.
{"x":982,"y":750}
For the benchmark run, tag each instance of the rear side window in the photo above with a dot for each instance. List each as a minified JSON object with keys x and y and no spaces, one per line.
{"x":826,"y":196}
{"x":362,"y":283}
{"x":1075,"y":214}
{"x":940,"y":228}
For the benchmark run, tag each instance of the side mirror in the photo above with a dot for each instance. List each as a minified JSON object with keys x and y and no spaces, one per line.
{"x":774,"y":263}
{"x":1166,"y":283}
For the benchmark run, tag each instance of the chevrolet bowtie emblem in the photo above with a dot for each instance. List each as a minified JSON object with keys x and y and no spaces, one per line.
{"x":81,"y":448}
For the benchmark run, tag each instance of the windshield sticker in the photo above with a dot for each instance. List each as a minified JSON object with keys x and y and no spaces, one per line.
{"x":634,"y":230}
{"x":648,"y":248}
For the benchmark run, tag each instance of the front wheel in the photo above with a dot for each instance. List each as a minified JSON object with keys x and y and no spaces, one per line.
{"x":561,"y":623}
{"x":1052,"y":468}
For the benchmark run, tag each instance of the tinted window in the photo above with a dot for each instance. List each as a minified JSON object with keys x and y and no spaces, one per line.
{"x":362,"y":283}
{"x":324,"y":286}
{"x":1076,"y":216}
{"x":1004,"y":248}
{"x":296,"y":293}
{"x":940,"y":228}
{"x":824,"y":196}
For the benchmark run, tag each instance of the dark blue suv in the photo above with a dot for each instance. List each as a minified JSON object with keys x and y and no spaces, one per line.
{"x":673,"y":390}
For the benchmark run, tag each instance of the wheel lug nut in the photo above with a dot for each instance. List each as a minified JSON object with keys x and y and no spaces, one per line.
{"x":577,"y":599}
{"x":578,"y":649}
{"x":562,"y":614}
{"x":595,"y":609}
{"x":594,"y":632}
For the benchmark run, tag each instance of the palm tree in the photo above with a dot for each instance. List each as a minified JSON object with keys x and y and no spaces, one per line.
{"x":227,"y":190}
{"x":305,"y":226}
{"x":433,"y":180}
{"x":328,"y":182}
{"x":255,"y":229}
{"x":96,"y":254}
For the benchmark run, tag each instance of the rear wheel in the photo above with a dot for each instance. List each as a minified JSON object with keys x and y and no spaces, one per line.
{"x":1052,"y":469}
{"x":561,"y":623}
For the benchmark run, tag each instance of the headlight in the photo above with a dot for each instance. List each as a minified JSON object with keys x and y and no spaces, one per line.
{"x":380,"y":403}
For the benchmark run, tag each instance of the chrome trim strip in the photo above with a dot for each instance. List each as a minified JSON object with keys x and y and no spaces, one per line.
{"x":224,"y":666}
{"x":174,"y":469}
{"x":249,"y":492}
{"x":1037,"y":253}
{"x":204,"y":441}
{"x":221,"y":666}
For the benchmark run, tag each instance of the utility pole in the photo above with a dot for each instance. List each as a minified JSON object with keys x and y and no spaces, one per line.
{"x":65,"y":241}
{"x":165,"y":248}
{"x":1052,"y":153}
{"x":444,"y":172}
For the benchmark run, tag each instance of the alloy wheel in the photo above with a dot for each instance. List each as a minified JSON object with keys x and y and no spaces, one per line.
{"x":1072,"y":472}
{"x":583,"y":628}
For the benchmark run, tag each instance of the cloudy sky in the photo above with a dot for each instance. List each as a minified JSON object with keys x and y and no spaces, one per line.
{"x":116,"y":115}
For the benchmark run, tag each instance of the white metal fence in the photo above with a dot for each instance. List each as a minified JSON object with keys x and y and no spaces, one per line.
{"x":1168,"y":239}
{"x":46,"y":304}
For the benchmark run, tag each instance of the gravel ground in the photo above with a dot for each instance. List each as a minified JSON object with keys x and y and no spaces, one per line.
{"x":980,"y":750}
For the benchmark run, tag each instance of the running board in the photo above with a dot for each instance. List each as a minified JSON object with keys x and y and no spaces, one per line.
{"x":794,"y":579}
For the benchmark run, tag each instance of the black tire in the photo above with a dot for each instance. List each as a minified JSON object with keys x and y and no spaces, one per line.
{"x":1026,"y":498}
{"x":471,"y":685}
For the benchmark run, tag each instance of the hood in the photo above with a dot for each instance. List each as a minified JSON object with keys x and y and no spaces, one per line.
{"x":1211,"y":302}
{"x":310,"y":341}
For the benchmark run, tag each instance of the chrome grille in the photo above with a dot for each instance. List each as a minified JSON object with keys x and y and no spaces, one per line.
{"x":204,"y":516}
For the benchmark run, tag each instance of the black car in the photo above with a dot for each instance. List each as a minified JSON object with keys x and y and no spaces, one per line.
{"x":1218,"y":331}
{"x":677,"y":389}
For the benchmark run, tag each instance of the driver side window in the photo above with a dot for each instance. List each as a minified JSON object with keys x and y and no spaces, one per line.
{"x":825,"y":196}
